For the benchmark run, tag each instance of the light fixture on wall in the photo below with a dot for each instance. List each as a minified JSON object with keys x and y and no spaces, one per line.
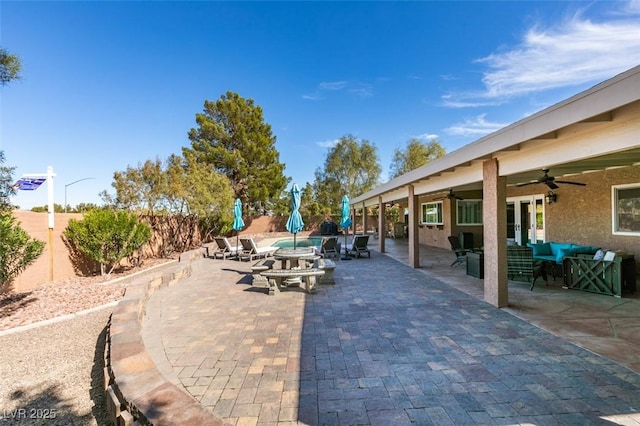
{"x":551,"y":197}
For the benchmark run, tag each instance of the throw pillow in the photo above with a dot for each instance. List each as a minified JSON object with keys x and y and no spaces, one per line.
{"x":599,"y":255}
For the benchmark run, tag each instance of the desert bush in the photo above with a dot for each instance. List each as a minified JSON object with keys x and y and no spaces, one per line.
{"x":107,"y":236}
{"x":17,"y":250}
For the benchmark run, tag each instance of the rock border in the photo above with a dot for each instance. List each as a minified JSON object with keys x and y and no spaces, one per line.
{"x":136,"y":391}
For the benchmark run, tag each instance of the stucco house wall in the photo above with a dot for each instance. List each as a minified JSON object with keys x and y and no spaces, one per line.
{"x":581,"y":215}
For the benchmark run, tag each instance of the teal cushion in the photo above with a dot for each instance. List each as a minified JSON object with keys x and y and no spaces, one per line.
{"x":586,"y":249}
{"x":557,"y":246}
{"x":541,"y":249}
{"x":564,"y":252}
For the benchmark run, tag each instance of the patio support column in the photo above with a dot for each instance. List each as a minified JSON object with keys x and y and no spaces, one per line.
{"x":353,"y":220}
{"x":382,"y":232}
{"x":412,"y":226}
{"x":364,"y":219}
{"x":494,"y":208}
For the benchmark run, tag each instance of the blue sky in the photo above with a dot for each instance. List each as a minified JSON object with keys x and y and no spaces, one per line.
{"x":106,"y":85}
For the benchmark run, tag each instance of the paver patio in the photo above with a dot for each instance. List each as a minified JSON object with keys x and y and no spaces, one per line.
{"x":388,"y":344}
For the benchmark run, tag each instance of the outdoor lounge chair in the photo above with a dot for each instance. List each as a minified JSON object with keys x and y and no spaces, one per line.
{"x":225,"y":249}
{"x":358,"y":246}
{"x":250,"y":250}
{"x":330,"y":248}
{"x":522,"y":267}
{"x":461,"y":253}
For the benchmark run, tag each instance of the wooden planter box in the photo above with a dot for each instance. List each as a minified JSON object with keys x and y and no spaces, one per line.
{"x":600,"y":276}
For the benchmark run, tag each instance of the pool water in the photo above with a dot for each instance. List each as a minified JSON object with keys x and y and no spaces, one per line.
{"x":300,"y":242}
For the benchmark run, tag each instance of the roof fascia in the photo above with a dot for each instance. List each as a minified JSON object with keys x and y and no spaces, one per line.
{"x":592,"y":103}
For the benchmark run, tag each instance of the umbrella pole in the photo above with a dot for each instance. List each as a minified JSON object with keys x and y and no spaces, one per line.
{"x":346,"y":255}
{"x":294,"y":241}
{"x":237,"y":240}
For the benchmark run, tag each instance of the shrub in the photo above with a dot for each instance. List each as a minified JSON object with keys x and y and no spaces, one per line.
{"x":17,"y":250}
{"x":107,"y":236}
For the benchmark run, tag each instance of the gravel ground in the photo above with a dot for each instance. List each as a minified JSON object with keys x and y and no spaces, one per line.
{"x":51,"y":371}
{"x":52,"y":375}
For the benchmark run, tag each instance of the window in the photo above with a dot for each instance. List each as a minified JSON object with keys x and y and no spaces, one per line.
{"x":469,"y":212}
{"x":626,"y":209}
{"x":432,"y":213}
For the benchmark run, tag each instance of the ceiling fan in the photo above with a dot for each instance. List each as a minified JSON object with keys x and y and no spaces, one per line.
{"x":451,"y":196}
{"x":550,"y":181}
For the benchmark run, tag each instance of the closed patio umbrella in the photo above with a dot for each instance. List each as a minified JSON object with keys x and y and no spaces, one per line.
{"x":345,"y":221}
{"x":238,"y":223}
{"x":295,"y":223}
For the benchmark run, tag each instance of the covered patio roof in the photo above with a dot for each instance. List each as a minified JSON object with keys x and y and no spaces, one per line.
{"x":595,"y":130}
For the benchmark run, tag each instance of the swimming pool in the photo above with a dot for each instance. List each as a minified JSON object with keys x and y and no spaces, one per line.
{"x":300,"y":242}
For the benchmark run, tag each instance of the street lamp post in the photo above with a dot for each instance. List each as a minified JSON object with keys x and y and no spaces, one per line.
{"x":69,"y":184}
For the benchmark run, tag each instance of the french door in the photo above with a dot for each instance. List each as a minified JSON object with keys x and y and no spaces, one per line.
{"x":525,"y":219}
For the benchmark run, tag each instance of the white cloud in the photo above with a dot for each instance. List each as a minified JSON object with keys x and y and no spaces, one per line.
{"x":631,"y":7}
{"x":476,"y":126}
{"x":335,"y":85}
{"x":573,"y":52}
{"x":428,"y":137}
{"x":452,"y":100}
{"x":363,"y":90}
{"x":328,"y":144}
{"x":579,"y":53}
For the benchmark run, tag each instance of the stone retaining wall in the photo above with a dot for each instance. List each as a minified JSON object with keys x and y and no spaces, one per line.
{"x":136,"y":392}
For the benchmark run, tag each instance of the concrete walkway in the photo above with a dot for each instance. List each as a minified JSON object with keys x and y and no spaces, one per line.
{"x":387,"y":345}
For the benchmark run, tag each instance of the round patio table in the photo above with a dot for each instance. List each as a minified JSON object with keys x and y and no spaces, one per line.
{"x":291,"y":256}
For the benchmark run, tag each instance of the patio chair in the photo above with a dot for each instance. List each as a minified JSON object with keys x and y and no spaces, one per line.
{"x":358,"y":246}
{"x":521,"y":266}
{"x":250,"y":250}
{"x":329,"y":248}
{"x":461,"y":253}
{"x":225,"y":249}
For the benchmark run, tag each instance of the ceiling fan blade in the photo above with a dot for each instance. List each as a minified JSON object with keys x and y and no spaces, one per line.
{"x":572,"y":183}
{"x":527,"y":183}
{"x":552,"y":185}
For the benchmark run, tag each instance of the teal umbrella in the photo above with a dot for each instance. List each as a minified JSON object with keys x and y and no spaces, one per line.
{"x":238,"y":223}
{"x":295,"y":223}
{"x":345,"y":220}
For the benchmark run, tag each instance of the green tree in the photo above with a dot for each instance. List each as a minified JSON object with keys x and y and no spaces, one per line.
{"x":207,"y":193}
{"x":85,"y":207}
{"x":17,"y":250}
{"x":179,"y":186}
{"x":351,"y":168}
{"x":107,"y":237}
{"x":138,"y":188}
{"x":234,"y":140}
{"x":6,"y":184}
{"x":416,"y":154}
{"x":57,"y":208}
{"x":10,"y":67}
{"x":308,"y":205}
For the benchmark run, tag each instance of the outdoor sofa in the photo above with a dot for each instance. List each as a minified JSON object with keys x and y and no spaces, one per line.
{"x":553,"y":253}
